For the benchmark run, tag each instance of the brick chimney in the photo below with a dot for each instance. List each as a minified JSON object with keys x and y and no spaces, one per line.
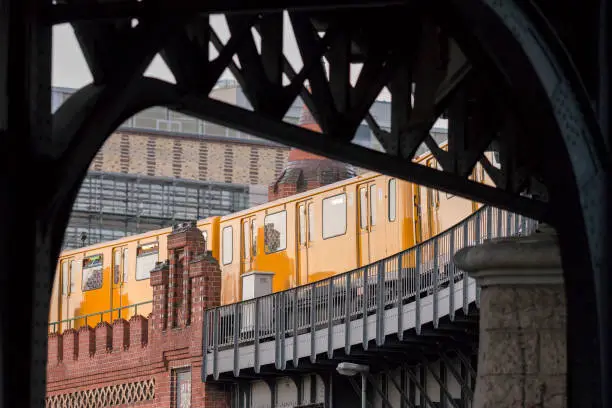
{"x":305,"y":171}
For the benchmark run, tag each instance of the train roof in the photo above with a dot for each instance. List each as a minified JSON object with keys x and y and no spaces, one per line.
{"x":297,"y":197}
{"x":129,"y":238}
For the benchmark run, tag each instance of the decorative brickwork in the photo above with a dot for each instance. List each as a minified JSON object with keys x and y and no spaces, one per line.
{"x":128,"y":393}
{"x":198,"y":158}
{"x":131,"y":362}
{"x":305,"y":171}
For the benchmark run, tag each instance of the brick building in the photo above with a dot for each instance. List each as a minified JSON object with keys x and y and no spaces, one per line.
{"x":151,"y":361}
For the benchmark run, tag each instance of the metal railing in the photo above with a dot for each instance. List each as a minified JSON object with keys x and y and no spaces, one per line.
{"x":96,"y":317}
{"x":405,"y":277}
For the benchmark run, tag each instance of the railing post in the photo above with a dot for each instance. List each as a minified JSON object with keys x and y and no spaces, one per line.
{"x":295,"y":327}
{"x":236,"y":338}
{"x":400,"y":297}
{"x":348,"y":293}
{"x":489,"y":211}
{"x":477,"y":233}
{"x":277,"y":329}
{"x":380,"y":303}
{"x":417,"y":298}
{"x":451,"y":276}
{"x":499,"y":223}
{"x":256,"y":334}
{"x":313,"y":324}
{"x":364,"y":339}
{"x":216,"y":344}
{"x":330,"y":318}
{"x":436,"y":282}
{"x":283,"y":327}
{"x":516,"y":224}
{"x":466,"y":227}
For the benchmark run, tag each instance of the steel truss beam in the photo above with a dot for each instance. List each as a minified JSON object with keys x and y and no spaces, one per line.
{"x":368,"y":38}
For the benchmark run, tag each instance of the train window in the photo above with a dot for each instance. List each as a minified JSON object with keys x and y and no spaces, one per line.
{"x":392,"y":200}
{"x":363,"y":208}
{"x":275,"y":232}
{"x":73,"y":271}
{"x":205,"y":236}
{"x":302,"y":224}
{"x":246,"y":237}
{"x":373,"y":204}
{"x":334,"y":216}
{"x":65,"y":275}
{"x":92,"y":273}
{"x":117,"y":266}
{"x":125,"y":265}
{"x":228,"y":245}
{"x":253,"y":238}
{"x":146,"y":257}
{"x":311,"y":222}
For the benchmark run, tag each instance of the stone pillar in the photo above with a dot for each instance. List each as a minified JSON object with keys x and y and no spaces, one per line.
{"x":522,"y":350}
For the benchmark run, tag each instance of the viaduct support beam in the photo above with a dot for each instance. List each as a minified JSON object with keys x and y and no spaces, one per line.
{"x":522,"y":350}
{"x":26,"y":252}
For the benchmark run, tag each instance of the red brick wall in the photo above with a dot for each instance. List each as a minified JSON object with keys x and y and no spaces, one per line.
{"x":307,"y":174}
{"x":117,"y":363}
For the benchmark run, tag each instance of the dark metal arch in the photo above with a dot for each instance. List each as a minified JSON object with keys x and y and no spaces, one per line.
{"x":583,"y":232}
{"x":580,"y":196}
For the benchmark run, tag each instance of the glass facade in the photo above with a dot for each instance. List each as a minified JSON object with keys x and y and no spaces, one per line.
{"x":111,"y":206}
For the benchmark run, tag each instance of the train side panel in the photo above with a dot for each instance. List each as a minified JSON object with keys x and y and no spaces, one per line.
{"x":334,"y":247}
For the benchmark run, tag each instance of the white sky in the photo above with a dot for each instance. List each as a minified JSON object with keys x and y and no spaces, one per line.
{"x":70,"y":69}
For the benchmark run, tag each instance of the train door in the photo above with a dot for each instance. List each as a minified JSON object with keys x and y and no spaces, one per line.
{"x":249,"y":244}
{"x":305,"y":211}
{"x":119,"y":277}
{"x":66,"y":302}
{"x":368,"y":240}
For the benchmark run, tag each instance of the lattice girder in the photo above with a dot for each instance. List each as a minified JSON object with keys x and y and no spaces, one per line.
{"x":425,"y":71}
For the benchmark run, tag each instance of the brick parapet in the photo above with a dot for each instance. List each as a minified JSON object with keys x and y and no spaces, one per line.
{"x":143,"y":349}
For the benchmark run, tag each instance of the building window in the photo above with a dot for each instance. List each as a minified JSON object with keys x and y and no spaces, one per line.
{"x":181,"y":387}
{"x":334,"y":216}
{"x":228,"y":245}
{"x":392,"y":199}
{"x":275,"y":232}
{"x":92,"y":272}
{"x":146,"y":257}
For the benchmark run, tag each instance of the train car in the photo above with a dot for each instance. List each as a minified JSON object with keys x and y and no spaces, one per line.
{"x":296,"y":240}
{"x":112,"y":275}
{"x":329,"y":230}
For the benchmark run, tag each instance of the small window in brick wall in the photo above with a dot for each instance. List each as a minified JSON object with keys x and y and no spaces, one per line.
{"x":181,"y":387}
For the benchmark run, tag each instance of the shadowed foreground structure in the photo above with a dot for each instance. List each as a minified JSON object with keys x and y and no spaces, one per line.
{"x":529,"y":80}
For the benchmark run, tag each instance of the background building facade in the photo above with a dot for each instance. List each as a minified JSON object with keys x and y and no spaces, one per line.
{"x":162,"y":167}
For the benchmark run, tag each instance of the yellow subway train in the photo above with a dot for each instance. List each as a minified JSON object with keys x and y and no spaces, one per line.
{"x":299,"y":239}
